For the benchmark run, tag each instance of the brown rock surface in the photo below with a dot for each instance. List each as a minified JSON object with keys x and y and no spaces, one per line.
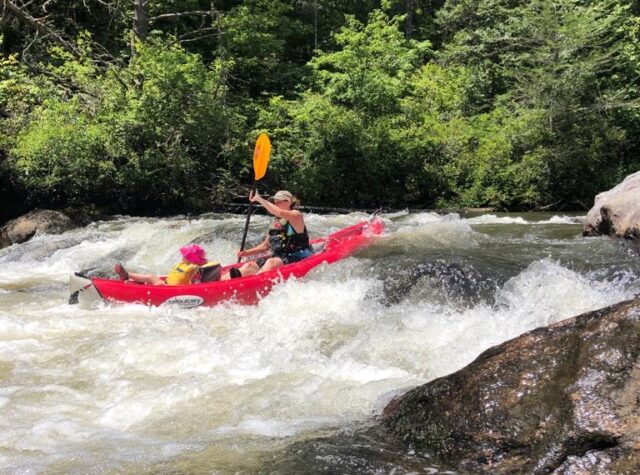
{"x":25,"y":227}
{"x":616,"y":212}
{"x":562,"y":399}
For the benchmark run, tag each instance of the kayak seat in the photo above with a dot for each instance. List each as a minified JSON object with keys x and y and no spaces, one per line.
{"x":210,"y":272}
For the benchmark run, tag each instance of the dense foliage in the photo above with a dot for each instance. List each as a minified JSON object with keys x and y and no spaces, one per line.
{"x":151,"y":107}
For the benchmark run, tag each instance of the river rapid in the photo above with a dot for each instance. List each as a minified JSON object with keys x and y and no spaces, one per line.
{"x":131,"y":389}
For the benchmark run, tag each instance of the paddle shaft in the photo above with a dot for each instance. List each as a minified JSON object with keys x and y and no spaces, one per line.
{"x":260,"y":161}
{"x":246,"y":223}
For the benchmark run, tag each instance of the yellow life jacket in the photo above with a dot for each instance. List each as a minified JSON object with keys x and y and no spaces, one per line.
{"x":182,"y":273}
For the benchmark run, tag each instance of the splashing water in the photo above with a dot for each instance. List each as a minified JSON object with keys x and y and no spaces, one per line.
{"x":125,"y":387}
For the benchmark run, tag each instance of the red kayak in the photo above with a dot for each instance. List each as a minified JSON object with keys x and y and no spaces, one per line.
{"x":247,"y":290}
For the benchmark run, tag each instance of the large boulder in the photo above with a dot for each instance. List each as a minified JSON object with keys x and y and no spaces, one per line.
{"x":616,"y":212}
{"x":563,"y":399}
{"x":41,"y":221}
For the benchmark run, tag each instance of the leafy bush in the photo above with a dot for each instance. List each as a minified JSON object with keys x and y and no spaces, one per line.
{"x":149,"y":134}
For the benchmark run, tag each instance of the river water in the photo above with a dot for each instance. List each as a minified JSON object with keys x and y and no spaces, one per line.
{"x":131,"y":389}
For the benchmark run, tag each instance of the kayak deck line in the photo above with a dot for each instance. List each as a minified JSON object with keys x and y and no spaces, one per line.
{"x":249,"y":290}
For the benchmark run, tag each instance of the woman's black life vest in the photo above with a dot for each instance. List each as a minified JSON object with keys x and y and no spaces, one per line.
{"x":283,"y":239}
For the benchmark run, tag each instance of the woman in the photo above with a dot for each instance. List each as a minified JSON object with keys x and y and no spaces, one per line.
{"x":287,"y":238}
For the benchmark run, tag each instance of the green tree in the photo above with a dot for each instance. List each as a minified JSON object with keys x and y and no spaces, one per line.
{"x":146,"y":135}
{"x":565,"y":67}
{"x":255,"y":35}
{"x":370,"y":71}
{"x":335,"y":143}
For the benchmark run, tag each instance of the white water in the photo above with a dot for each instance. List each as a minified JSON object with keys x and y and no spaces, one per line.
{"x":125,"y":388}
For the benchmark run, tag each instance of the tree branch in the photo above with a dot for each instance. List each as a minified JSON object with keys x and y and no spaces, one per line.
{"x":196,"y":33}
{"x":24,"y":17}
{"x":40,"y":27}
{"x":165,"y":16}
{"x":190,"y":40}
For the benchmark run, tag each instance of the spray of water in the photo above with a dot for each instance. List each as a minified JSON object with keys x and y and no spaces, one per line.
{"x":121,"y":387}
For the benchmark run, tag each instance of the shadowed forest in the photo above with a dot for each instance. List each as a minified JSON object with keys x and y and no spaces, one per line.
{"x":152,"y":107}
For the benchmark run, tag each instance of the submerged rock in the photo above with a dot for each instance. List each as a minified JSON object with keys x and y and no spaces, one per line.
{"x":563,"y":399}
{"x":454,"y":283}
{"x":616,"y":212}
{"x":25,"y":227}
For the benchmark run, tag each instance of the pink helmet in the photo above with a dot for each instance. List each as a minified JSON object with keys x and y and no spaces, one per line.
{"x":193,"y":254}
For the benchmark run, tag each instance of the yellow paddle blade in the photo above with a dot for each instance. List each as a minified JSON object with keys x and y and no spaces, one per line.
{"x":261,"y":156}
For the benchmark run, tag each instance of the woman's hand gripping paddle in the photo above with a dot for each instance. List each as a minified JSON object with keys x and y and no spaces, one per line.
{"x":260,"y":161}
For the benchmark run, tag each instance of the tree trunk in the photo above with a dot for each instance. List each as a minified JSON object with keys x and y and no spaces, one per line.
{"x":408,"y":25}
{"x":140,"y":22}
{"x":315,"y":25}
{"x":4,"y":30}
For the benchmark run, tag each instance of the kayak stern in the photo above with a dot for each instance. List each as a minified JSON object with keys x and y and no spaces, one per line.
{"x":82,"y":291}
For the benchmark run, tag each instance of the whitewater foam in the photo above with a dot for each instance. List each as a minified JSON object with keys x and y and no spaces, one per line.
{"x":124,"y":386}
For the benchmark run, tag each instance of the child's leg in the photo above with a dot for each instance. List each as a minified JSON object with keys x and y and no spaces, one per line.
{"x":249,"y":268}
{"x":146,"y":278}
{"x":272,"y":263}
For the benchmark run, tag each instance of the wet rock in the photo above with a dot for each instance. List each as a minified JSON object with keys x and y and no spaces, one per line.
{"x":563,"y":399}
{"x":453,"y":283}
{"x":616,"y":212}
{"x":365,"y":450}
{"x":25,"y":227}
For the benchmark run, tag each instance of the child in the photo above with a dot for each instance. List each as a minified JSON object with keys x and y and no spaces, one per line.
{"x":192,"y":267}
